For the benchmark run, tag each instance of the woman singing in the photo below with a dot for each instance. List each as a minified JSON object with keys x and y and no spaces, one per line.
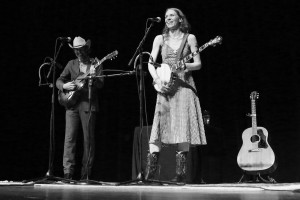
{"x":177,"y":118}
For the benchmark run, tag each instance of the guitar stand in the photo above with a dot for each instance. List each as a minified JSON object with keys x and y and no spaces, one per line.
{"x":256,"y":178}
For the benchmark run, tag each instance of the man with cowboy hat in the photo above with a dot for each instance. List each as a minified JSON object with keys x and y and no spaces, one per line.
{"x":83,"y":112}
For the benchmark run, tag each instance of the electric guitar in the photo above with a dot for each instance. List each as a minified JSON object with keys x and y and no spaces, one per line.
{"x":255,"y":154}
{"x":69,"y":98}
{"x":166,"y":72}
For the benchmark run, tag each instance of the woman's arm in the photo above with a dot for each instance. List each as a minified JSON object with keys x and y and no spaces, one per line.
{"x":154,"y":53}
{"x":196,"y":65}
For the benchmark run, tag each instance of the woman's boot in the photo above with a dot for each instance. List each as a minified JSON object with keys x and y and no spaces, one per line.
{"x":181,"y":167}
{"x":152,"y":165}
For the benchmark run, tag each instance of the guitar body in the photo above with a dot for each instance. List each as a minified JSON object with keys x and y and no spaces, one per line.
{"x":164,"y":73}
{"x":69,"y":98}
{"x":255,"y":154}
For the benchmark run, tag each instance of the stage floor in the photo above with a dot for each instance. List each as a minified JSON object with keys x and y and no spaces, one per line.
{"x":58,"y":190}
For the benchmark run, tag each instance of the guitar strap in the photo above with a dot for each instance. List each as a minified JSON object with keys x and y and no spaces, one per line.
{"x":179,"y":52}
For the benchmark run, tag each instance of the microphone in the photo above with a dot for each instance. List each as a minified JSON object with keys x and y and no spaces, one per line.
{"x":65,"y":39}
{"x":156,"y":19}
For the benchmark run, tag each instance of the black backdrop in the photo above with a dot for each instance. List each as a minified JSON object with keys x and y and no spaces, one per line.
{"x":259,"y":52}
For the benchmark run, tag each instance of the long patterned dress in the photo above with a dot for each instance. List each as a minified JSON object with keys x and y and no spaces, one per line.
{"x":178,"y":116}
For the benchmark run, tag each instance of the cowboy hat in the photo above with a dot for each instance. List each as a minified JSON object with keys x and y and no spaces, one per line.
{"x":79,"y":42}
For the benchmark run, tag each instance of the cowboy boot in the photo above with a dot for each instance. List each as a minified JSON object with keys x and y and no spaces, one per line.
{"x":152,"y":165}
{"x":181,"y":167}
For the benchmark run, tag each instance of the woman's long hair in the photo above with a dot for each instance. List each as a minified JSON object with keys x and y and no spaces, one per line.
{"x":185,"y":27}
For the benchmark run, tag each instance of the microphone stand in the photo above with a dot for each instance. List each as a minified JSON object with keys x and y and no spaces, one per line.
{"x":90,"y":84}
{"x":49,"y":177}
{"x":90,"y":79}
{"x":141,"y":178}
{"x":86,"y":168}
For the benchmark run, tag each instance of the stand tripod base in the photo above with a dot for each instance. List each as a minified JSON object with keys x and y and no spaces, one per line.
{"x":53,"y":179}
{"x":48,"y":179}
{"x":93,"y":182}
{"x":149,"y":182}
{"x":140,"y":180}
{"x":256,"y":178}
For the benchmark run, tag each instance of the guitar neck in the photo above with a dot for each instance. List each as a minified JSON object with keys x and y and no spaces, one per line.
{"x":253,"y":115}
{"x":191,"y":55}
{"x":99,"y":62}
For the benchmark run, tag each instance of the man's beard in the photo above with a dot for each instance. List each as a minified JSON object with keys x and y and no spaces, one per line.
{"x":83,"y":57}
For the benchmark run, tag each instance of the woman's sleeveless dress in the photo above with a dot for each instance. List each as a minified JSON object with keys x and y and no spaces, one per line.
{"x":178,"y":116}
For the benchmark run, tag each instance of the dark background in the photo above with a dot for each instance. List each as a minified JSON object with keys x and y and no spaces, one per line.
{"x":259,"y":52}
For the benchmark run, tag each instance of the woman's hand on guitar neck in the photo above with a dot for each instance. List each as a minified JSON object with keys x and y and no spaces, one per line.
{"x":180,"y":66}
{"x":69,"y":86}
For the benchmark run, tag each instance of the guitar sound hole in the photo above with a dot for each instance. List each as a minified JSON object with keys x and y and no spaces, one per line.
{"x":254,"y":138}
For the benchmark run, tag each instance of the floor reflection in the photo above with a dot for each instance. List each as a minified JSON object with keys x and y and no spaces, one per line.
{"x":64,"y":192}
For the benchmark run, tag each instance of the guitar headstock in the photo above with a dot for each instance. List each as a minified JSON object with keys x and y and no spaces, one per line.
{"x":108,"y":56}
{"x":215,"y":41}
{"x":254,"y":95}
{"x":112,"y":55}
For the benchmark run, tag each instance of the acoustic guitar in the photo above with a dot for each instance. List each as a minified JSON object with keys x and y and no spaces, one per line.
{"x":255,"y":155}
{"x":68,"y":98}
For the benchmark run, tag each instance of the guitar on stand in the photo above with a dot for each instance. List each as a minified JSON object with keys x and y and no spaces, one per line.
{"x":256,"y":156}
